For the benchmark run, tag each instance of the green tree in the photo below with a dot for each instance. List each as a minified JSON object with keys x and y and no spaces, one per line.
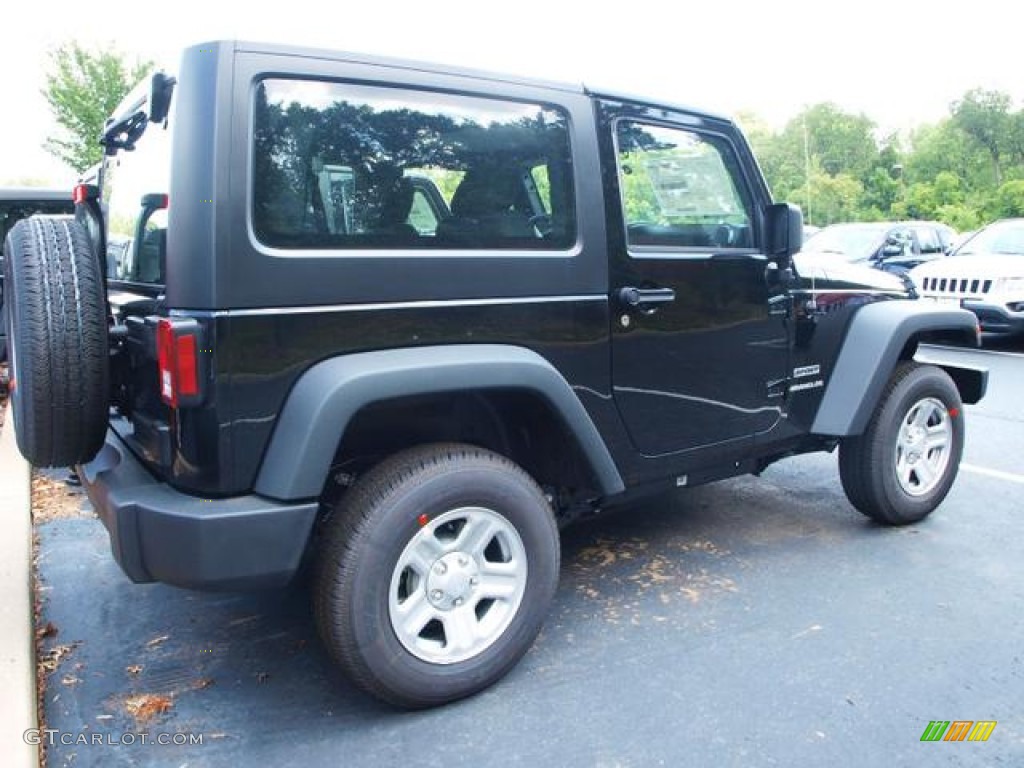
{"x":963,"y":170}
{"x":985,"y":117}
{"x":83,"y":88}
{"x":881,"y":191}
{"x":945,"y":147}
{"x":961,"y":217}
{"x":822,"y":154}
{"x":1008,"y":200}
{"x":842,"y":142}
{"x":1017,"y":139}
{"x":832,"y":198}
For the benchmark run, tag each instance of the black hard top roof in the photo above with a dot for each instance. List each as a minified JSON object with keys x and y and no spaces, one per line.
{"x":475,"y":74}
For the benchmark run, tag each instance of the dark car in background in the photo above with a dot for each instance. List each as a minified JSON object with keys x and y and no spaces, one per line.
{"x":18,"y":203}
{"x":891,"y":246}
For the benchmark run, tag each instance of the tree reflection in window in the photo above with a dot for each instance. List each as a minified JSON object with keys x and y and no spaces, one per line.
{"x":341,"y":166}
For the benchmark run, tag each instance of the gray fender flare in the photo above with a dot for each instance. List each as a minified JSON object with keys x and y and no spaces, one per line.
{"x":877,"y":335}
{"x":330,"y":393}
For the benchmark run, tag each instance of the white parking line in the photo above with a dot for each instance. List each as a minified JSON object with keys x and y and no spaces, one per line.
{"x":1009,"y":476}
{"x":939,"y":347}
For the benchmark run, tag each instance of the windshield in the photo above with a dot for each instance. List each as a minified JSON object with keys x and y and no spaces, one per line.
{"x":1005,"y":238}
{"x":855,"y":242}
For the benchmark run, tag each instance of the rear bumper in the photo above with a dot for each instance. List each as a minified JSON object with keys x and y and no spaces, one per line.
{"x":160,"y":534}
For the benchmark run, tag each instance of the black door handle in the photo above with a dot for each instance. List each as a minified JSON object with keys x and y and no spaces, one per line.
{"x":645,"y":298}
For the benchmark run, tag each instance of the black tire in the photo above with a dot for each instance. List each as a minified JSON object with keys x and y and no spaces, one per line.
{"x":57,"y":341}
{"x":399,"y":506}
{"x":887,"y":473}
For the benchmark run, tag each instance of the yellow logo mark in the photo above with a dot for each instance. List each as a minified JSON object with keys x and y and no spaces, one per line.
{"x":982,"y":730}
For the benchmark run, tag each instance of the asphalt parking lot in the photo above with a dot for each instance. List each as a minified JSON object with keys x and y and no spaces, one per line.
{"x":758,"y":621}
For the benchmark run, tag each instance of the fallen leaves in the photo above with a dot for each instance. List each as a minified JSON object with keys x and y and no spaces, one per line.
{"x":144,"y":707}
{"x":605,"y":552}
{"x":53,"y":500}
{"x":52,"y":658}
{"x":618,"y":573}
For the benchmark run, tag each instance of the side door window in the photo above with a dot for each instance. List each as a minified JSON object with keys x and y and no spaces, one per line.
{"x":679,"y":189}
{"x":928,"y":240}
{"x":901,"y":241}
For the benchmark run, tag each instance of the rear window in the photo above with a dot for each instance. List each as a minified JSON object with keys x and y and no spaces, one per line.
{"x":134,"y":189}
{"x":344,"y":166}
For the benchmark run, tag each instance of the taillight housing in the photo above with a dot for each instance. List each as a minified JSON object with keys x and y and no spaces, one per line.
{"x":83,"y":193}
{"x":179,"y":351}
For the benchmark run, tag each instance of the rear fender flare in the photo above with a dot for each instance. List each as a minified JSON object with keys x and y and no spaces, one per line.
{"x":327,"y":396}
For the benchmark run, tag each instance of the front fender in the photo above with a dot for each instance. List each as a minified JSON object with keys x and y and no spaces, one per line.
{"x":874,"y":343}
{"x":327,"y":396}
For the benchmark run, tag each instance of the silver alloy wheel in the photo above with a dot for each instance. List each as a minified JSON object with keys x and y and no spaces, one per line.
{"x":923,"y":446}
{"x":457,"y":585}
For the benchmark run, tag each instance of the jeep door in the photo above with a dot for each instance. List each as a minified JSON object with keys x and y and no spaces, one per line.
{"x":699,"y":339}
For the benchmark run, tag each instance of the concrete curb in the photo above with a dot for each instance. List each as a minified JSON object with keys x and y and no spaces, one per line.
{"x":17,"y":648}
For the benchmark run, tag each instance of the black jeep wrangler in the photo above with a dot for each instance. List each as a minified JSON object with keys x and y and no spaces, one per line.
{"x":403,"y":322}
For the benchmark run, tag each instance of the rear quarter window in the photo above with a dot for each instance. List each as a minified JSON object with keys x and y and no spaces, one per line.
{"x":346,"y":166}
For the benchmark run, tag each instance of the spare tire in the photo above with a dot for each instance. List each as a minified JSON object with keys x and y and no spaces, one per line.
{"x":56,"y":319}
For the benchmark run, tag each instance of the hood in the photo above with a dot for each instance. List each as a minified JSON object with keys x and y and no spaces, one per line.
{"x":971,"y":266}
{"x":829,"y":271}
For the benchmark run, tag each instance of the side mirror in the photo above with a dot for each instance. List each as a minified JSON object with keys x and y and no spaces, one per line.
{"x":785,"y":231}
{"x":890,"y":250}
{"x":161,"y":88}
{"x":154,"y":201}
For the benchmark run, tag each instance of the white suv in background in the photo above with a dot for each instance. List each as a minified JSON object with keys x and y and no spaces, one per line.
{"x":985,"y":274}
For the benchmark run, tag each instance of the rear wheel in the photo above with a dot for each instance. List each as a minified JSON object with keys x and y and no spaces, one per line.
{"x":57,"y":341}
{"x":904,"y":464}
{"x":435,"y":574}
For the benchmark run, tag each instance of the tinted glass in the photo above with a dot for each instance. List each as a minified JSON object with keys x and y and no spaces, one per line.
{"x":346,"y":166}
{"x":680,"y":188}
{"x":135,"y":187}
{"x":1004,"y":238}
{"x":929,"y":241}
{"x":855,"y":241}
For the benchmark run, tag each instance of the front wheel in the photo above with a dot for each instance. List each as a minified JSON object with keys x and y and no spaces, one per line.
{"x":435,"y":574}
{"x":904,"y":464}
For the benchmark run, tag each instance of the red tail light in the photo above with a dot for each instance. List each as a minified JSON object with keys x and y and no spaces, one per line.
{"x":84,"y":192}
{"x":177,"y":361}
